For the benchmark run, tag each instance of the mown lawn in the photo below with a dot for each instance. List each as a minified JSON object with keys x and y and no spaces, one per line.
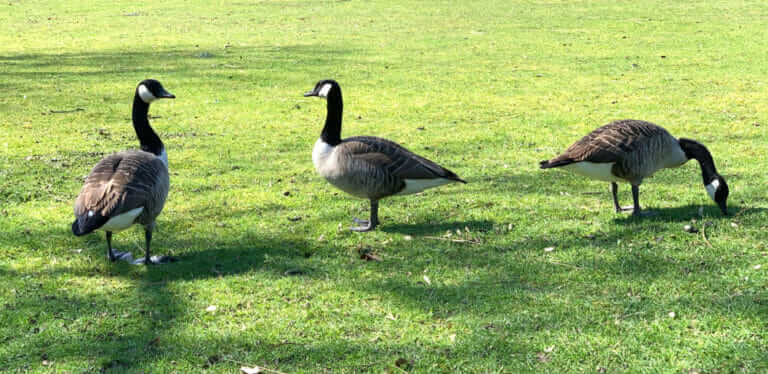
{"x":521,"y":270}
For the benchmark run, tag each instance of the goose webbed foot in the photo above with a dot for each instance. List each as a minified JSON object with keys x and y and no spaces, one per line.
{"x":361,"y":222}
{"x":368,"y":224}
{"x":155,"y":260}
{"x":152,"y":260}
{"x":113,"y":255}
{"x":120,"y":256}
{"x":363,"y":225}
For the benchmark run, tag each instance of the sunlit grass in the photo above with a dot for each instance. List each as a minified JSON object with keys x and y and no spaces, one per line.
{"x":465,"y":284}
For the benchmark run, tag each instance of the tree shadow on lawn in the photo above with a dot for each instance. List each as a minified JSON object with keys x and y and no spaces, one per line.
{"x":209,"y":64}
{"x":533,"y":282}
{"x":528,"y":281}
{"x":118,"y":325}
{"x":381,"y":355}
{"x":73,"y":325}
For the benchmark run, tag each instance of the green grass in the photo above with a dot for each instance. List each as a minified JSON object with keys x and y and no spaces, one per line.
{"x":496,"y":86}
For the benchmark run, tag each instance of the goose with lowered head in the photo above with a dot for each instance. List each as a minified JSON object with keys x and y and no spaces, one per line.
{"x":631,"y":150}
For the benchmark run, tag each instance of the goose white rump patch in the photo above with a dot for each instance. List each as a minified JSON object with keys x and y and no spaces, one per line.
{"x":600,"y":171}
{"x":712,"y":188}
{"x":418,"y":185}
{"x":122,"y":221}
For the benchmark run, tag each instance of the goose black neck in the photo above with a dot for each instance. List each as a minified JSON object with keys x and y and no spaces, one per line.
{"x":332,"y":130}
{"x":149,"y":140}
{"x":697,"y":151}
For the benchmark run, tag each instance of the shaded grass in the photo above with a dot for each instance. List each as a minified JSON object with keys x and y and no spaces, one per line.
{"x":486,"y":89}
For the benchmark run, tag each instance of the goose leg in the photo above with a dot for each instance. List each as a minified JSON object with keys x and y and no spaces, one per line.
{"x":614,"y":191}
{"x":115,"y":255}
{"x":152,"y":260}
{"x":370,"y":224}
{"x":618,"y":208}
{"x":147,"y":240}
{"x":637,"y":212}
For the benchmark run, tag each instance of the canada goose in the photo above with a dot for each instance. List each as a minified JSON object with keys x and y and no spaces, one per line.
{"x":128,"y":187}
{"x":368,"y":167}
{"x":630,"y":150}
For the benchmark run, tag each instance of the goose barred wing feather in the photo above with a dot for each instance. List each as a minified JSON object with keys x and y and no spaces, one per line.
{"x":394,"y":159}
{"x":611,"y":143}
{"x":119,"y":183}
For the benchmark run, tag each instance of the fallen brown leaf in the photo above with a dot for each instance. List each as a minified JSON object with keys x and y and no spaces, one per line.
{"x":403,"y":363}
{"x":370,"y":257}
{"x":294,"y":272}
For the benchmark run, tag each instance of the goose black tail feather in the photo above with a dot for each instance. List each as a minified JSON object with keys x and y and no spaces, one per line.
{"x":85,"y":225}
{"x":546,"y":164}
{"x":452,"y":176}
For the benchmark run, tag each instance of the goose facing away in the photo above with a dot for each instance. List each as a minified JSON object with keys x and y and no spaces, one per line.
{"x":630,"y":150}
{"x":128,"y":187}
{"x":368,"y":167}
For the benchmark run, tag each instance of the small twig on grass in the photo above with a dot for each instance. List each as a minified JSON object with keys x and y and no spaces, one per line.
{"x":258,"y":369}
{"x":564,"y":264}
{"x":268,"y":370}
{"x":623,"y":316}
{"x":66,"y":111}
{"x":470,"y":241}
{"x":744,"y":209}
{"x":704,"y":233}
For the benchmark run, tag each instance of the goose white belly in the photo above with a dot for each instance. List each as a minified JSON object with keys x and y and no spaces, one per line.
{"x":418,"y":185}
{"x":600,"y":171}
{"x":122,"y":221}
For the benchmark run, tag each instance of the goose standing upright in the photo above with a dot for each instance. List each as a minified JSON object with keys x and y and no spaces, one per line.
{"x":128,"y":187}
{"x":368,"y":167}
{"x":630,"y":150}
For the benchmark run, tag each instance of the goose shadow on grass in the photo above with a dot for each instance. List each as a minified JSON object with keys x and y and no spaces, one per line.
{"x":123,"y":322}
{"x":546,"y":284}
{"x":436,"y":227}
{"x":217,"y":256}
{"x":688,"y":212}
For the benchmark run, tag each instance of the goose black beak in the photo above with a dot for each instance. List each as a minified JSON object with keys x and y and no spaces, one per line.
{"x":167,"y":95}
{"x":310,"y":93}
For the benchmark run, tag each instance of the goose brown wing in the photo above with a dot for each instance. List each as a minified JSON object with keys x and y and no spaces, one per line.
{"x":608,"y":143}
{"x":117,"y":184}
{"x":394,"y":159}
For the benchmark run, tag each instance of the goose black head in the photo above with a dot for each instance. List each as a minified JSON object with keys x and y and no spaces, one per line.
{"x":718,"y":191}
{"x":323,"y":88}
{"x":150,"y":90}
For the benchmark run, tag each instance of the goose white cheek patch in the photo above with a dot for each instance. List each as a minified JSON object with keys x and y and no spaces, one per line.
{"x":324,"y":91}
{"x":712,"y":188}
{"x":146,"y":95}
